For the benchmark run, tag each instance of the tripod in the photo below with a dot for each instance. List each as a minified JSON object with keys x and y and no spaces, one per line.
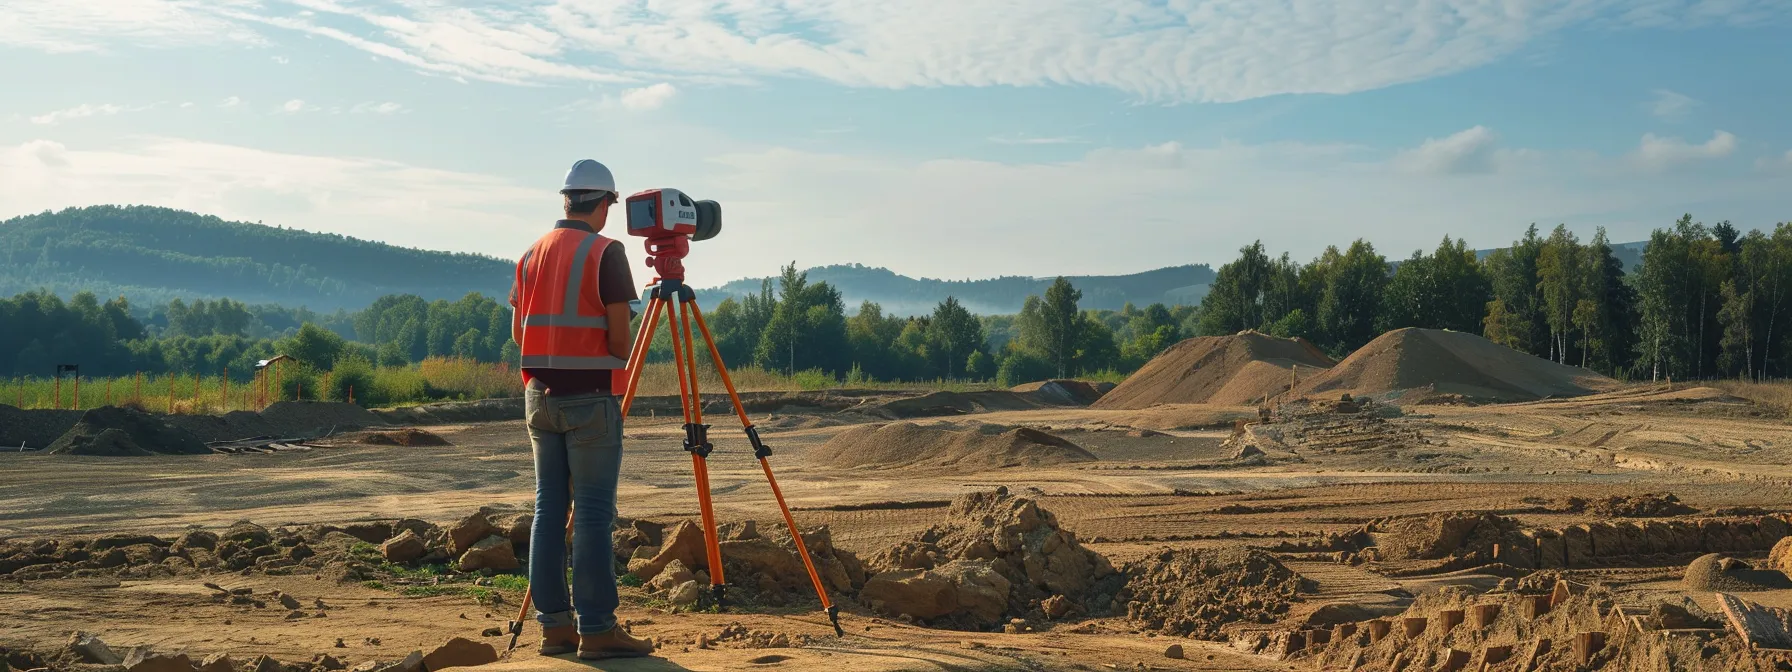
{"x":670,"y":297}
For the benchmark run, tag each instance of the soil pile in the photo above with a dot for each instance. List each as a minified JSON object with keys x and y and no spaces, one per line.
{"x":1242,"y":369}
{"x":117,"y":431}
{"x":1060,"y":392}
{"x":1640,"y":506}
{"x":1193,"y":592}
{"x":995,"y":557}
{"x":1714,"y":572}
{"x":944,"y":403}
{"x":1466,"y":539}
{"x":35,"y":428}
{"x":674,"y":564}
{"x":1780,"y":557}
{"x":282,"y":419}
{"x":408,"y":437}
{"x":905,"y":444}
{"x":1451,"y":363}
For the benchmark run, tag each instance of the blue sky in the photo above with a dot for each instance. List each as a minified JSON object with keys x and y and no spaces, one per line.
{"x":947,"y":138}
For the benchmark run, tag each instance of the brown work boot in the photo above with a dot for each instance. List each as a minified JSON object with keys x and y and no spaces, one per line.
{"x":613,"y":643}
{"x":555,"y":641}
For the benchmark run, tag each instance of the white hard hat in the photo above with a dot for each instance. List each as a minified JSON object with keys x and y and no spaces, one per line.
{"x":588,"y":174}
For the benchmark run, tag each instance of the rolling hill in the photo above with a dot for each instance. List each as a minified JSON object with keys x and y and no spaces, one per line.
{"x":902,"y":295}
{"x":151,"y":255}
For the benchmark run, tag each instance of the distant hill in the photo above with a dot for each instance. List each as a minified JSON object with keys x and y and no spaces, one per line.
{"x":151,"y":255}
{"x":902,"y":295}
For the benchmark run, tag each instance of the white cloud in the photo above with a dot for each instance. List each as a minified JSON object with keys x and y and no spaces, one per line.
{"x":82,"y":111}
{"x":296,"y":106}
{"x":186,"y":105}
{"x":348,"y":195}
{"x":232,"y":101}
{"x":1468,"y":151}
{"x":1182,"y":50}
{"x":1658,"y":152}
{"x":281,"y":60}
{"x":649,"y":97}
{"x":387,"y":107}
{"x":1671,"y":105}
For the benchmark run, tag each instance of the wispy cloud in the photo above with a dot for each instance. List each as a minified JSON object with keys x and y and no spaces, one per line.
{"x":1671,"y":105}
{"x":387,"y":107}
{"x":232,"y":101}
{"x":1658,"y":152}
{"x":83,"y":111}
{"x":1468,"y":151}
{"x":296,"y":106}
{"x":649,"y":97}
{"x":1216,"y":50}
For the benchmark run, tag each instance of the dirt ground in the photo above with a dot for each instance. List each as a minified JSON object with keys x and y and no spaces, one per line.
{"x":1166,"y":477}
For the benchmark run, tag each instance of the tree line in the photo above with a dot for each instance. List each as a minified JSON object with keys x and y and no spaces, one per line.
{"x":1705,"y":301}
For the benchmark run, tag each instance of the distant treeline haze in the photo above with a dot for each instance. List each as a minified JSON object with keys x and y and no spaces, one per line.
{"x":1706,"y":301}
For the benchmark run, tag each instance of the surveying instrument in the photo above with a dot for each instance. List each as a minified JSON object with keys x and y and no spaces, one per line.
{"x":670,"y":220}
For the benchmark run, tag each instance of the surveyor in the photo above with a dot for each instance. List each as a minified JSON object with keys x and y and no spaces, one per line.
{"x":571,"y":319}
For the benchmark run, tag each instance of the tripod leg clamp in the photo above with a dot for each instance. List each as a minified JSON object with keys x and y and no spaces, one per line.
{"x":696,"y":439}
{"x":760,"y":450}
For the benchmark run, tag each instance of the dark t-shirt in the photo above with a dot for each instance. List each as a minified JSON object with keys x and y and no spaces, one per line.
{"x":615,"y":284}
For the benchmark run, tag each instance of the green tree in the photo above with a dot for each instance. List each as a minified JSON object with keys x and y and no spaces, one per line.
{"x":313,"y":345}
{"x":1445,"y":290}
{"x":1061,"y":325}
{"x":1235,"y":301}
{"x":1512,"y":274}
{"x":1352,"y":301}
{"x":1559,"y":281}
{"x":953,"y":334}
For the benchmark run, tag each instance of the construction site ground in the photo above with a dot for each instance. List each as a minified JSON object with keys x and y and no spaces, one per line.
{"x":1166,"y":476}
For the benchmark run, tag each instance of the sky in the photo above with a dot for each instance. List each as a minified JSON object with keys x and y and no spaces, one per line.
{"x":940,"y":138}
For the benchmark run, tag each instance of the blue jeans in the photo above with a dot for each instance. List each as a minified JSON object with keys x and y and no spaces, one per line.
{"x":578,"y":458}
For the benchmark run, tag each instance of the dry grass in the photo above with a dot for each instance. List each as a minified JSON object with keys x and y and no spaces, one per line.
{"x":1776,"y":395}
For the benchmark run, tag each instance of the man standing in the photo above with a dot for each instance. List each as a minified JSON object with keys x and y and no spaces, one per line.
{"x":571,"y":319}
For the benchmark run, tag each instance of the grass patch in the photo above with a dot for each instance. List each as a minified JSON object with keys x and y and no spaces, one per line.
{"x":629,"y":580}
{"x":510,"y":583}
{"x":376,"y":585}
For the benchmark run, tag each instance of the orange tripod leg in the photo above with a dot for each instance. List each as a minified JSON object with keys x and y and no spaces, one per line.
{"x":762,"y":453}
{"x":638,"y":358}
{"x":698,"y":445}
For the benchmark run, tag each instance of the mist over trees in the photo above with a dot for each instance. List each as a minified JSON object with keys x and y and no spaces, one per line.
{"x":1703,"y":302}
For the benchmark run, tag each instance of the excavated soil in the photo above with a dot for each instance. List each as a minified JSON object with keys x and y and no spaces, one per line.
{"x":409,"y":436}
{"x":1242,"y":369}
{"x":1195,"y":593}
{"x":1718,"y":573}
{"x":116,"y":431}
{"x":1434,"y":363}
{"x":905,"y":444}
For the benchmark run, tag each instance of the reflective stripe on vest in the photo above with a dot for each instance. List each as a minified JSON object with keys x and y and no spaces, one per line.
{"x":555,"y":334}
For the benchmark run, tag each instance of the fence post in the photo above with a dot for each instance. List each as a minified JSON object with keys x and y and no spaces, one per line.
{"x":58,"y":390}
{"x":77,"y":391}
{"x":108,"y":391}
{"x":196,"y":398}
{"x":351,"y":394}
{"x":171,"y":394}
{"x":224,"y":391}
{"x":137,"y":396}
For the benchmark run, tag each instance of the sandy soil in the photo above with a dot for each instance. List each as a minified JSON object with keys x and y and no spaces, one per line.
{"x":1175,"y":486}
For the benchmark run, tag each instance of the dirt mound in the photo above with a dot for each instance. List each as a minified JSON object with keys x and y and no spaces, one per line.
{"x":33,"y":428}
{"x":1468,"y":538}
{"x":995,"y":557}
{"x":318,"y":416}
{"x":1060,"y":392}
{"x":943,"y":403}
{"x":1439,"y":362}
{"x":1651,"y":505}
{"x":1714,"y":572}
{"x":116,"y":431}
{"x":905,"y":444}
{"x":1236,"y":370}
{"x":1192,"y":592}
{"x":408,"y":436}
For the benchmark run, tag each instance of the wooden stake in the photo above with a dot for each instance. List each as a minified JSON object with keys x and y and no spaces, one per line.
{"x":108,"y":391}
{"x":58,"y":390}
{"x":138,"y":395}
{"x":171,"y":394}
{"x":77,"y":392}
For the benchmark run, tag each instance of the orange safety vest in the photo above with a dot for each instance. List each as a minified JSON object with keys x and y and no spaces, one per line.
{"x":558,"y":324}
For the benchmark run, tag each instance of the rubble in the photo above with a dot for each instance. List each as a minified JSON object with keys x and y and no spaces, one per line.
{"x":1194,"y":593}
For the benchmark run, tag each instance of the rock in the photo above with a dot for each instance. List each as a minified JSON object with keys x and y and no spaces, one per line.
{"x":684,"y":544}
{"x":300,"y":552}
{"x":411,"y":663}
{"x":469,"y":531}
{"x":518,"y":528}
{"x":492,"y":632}
{"x":402,"y":549}
{"x":671,"y":577}
{"x":461,"y":652}
{"x":289,"y":602}
{"x":741,"y":531}
{"x":684,"y":595}
{"x":493,"y":552}
{"x":371,"y":533}
{"x":91,"y":649}
{"x":218,"y":662}
{"x":248,"y":534}
{"x":329,"y":662}
{"x":1055,"y":607}
{"x":970,"y":588}
{"x":1780,"y":558}
{"x":264,"y":663}
{"x":193,"y":539}
{"x":765,"y":558}
{"x":1174,"y":651}
{"x":141,"y":660}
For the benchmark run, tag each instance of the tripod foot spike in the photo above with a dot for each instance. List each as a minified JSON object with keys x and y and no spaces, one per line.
{"x":718,"y":591}
{"x":516,"y":632}
{"x":834,"y":617}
